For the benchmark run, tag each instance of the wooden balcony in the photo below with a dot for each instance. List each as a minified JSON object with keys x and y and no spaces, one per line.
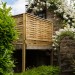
{"x":35,"y":32}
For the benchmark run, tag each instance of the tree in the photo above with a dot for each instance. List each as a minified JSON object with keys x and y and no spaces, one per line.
{"x":7,"y":35}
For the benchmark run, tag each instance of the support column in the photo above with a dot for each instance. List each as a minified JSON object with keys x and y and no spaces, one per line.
{"x":51,"y":56}
{"x":24,"y":44}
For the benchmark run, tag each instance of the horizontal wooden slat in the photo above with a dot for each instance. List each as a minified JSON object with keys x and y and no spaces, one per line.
{"x":38,"y":29}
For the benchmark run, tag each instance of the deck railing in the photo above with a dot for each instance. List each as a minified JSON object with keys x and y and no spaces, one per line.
{"x":35,"y":31}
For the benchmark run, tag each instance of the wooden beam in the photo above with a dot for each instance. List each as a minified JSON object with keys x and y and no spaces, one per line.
{"x":59,"y":57}
{"x":24,"y":44}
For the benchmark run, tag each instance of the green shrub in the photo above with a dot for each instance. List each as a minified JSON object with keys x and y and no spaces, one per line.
{"x":7,"y":36}
{"x":17,"y":74}
{"x":43,"y":70}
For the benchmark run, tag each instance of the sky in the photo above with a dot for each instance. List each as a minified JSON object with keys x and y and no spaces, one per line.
{"x":18,"y":6}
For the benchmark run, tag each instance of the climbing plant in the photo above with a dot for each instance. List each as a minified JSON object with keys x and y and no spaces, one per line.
{"x":59,"y":7}
{"x":59,"y":35}
{"x":7,"y":35}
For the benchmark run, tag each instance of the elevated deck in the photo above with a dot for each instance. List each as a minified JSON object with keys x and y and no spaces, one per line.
{"x":34,"y":33}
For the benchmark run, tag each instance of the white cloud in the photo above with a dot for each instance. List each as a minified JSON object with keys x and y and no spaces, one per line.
{"x":18,"y":7}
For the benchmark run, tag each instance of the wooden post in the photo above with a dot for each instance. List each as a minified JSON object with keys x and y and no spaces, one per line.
{"x":59,"y":59}
{"x":24,"y":44}
{"x":52,"y":52}
{"x":45,"y":10}
{"x":51,"y":56}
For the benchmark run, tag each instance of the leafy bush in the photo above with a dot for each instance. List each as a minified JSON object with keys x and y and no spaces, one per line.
{"x":7,"y":35}
{"x":17,"y":74}
{"x":43,"y":70}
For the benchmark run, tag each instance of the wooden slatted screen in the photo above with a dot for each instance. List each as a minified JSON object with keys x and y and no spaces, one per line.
{"x":38,"y":31}
{"x":19,"y":27}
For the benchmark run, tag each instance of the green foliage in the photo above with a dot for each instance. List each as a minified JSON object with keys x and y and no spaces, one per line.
{"x":64,"y":34}
{"x":17,"y":73}
{"x":52,"y":7}
{"x":43,"y":70}
{"x":7,"y":35}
